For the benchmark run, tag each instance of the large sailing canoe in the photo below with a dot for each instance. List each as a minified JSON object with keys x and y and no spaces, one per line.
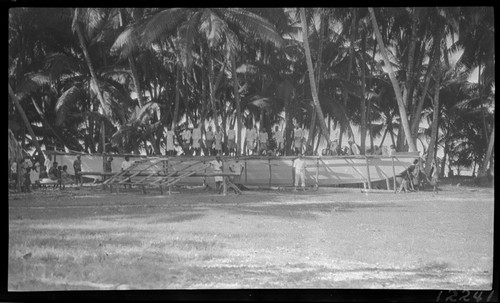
{"x":259,"y":171}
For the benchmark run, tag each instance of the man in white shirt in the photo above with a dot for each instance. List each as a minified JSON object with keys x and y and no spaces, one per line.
{"x":251,"y":135}
{"x":278,"y":139}
{"x":170,"y":142}
{"x":186,"y":141}
{"x":300,"y":172}
{"x":231,"y":141}
{"x":197,"y":140}
{"x":262,"y":140}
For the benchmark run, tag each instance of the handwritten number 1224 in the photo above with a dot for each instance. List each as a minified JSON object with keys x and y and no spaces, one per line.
{"x":453,"y":296}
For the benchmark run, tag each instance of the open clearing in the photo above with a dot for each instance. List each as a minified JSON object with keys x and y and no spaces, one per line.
{"x":333,"y":238}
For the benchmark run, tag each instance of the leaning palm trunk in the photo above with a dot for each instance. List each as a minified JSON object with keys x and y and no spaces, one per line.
{"x":487,"y":157}
{"x":434,"y":130}
{"x":349,"y":67}
{"x":314,"y":92}
{"x":238,"y":101}
{"x":77,"y":28}
{"x":25,"y":119}
{"x":395,"y":85}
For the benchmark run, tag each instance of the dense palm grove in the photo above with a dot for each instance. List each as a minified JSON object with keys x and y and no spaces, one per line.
{"x":114,"y":79}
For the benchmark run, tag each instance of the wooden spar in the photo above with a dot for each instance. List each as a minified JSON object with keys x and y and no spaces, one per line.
{"x":317,"y":173}
{"x":246,"y":181}
{"x":224,"y":184}
{"x":103,"y":145}
{"x":393,"y":174}
{"x":368,"y":173}
{"x":269,"y":163}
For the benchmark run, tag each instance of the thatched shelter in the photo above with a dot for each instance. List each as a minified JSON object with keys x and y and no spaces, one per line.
{"x":15,"y":150}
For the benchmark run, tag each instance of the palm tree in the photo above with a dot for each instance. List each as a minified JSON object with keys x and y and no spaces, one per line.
{"x":319,"y":111}
{"x":397,"y":89}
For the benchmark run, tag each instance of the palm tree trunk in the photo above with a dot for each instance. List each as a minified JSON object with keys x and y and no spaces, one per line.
{"x":236,"y":92}
{"x":362,"y":75}
{"x":76,"y":24}
{"x":415,"y":118}
{"x":319,"y":112}
{"x":25,"y":119}
{"x":434,"y":130}
{"x":349,"y":66}
{"x":487,"y":157}
{"x":397,"y":90}
{"x":177,"y":94}
{"x":408,"y":88}
{"x":135,"y":79}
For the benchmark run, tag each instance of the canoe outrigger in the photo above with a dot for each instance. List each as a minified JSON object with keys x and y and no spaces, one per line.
{"x":259,"y":171}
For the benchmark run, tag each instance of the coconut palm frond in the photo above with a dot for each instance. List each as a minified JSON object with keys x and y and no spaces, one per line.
{"x":64,"y":103}
{"x":254,"y":25}
{"x":163,"y":23}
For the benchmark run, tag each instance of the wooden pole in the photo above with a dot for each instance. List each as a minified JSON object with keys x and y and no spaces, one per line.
{"x":103,"y":132}
{"x":224,"y":185}
{"x":246,"y":181}
{"x":269,"y":163}
{"x":317,"y":173}
{"x":393,"y":174}
{"x":368,"y":173}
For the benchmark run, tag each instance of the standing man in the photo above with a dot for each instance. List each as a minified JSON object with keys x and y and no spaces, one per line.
{"x":218,"y":141}
{"x":237,"y":167}
{"x":209,"y":141}
{"x":186,"y":141}
{"x":263,"y":137}
{"x":278,"y":139}
{"x":300,"y":172}
{"x":298,"y":138}
{"x":77,"y":167}
{"x":170,"y":142}
{"x":251,"y":135}
{"x":217,"y":166}
{"x":231,"y":141}
{"x":197,"y":140}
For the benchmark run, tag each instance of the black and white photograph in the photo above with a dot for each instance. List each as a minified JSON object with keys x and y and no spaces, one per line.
{"x":233,"y":148}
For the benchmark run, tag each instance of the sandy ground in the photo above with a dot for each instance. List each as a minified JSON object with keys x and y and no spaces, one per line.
{"x":330,"y":238}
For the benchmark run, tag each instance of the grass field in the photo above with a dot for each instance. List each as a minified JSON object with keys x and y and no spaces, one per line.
{"x":333,"y":238}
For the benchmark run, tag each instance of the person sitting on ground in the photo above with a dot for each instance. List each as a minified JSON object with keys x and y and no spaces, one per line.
{"x":377,"y":151}
{"x":218,"y":141}
{"x":13,"y":171}
{"x":231,"y":141}
{"x":300,"y":172}
{"x":263,"y":137}
{"x":209,"y":141}
{"x":77,"y":167}
{"x":278,"y":139}
{"x":186,"y":141}
{"x":53,"y":172}
{"x":65,"y":178}
{"x":197,"y":140}
{"x":217,"y":166}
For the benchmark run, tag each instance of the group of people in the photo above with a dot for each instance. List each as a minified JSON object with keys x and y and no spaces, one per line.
{"x":413,"y":178}
{"x":190,"y":142}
